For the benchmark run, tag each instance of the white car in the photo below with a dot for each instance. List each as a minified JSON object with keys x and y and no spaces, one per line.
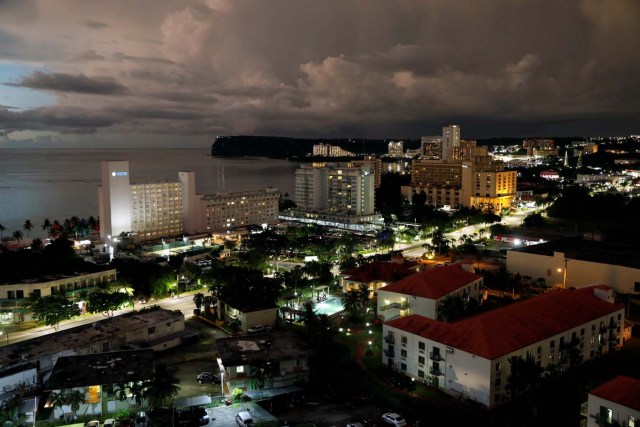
{"x":394,"y":419}
{"x":93,"y":423}
{"x":109,"y":423}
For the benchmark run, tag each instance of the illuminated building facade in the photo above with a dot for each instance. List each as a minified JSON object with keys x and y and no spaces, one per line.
{"x":153,"y":210}
{"x":470,"y":357}
{"x":450,"y":141}
{"x":231,"y":210}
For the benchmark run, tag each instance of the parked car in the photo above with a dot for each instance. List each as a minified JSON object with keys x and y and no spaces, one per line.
{"x":244,"y":419}
{"x":208,"y":378}
{"x":394,"y":419}
{"x":93,"y":423}
{"x":109,"y":423}
{"x":257,"y":329}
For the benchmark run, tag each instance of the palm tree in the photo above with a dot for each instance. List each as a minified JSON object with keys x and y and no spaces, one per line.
{"x":2,"y":229}
{"x":163,"y":386}
{"x":54,"y":230}
{"x":137,"y":390}
{"x":10,"y":417}
{"x":17,"y":235}
{"x":46,"y":225}
{"x":36,"y":245}
{"x":28,"y":226}
{"x":74,"y":399}
{"x":122,"y":392}
{"x":198,"y":299}
{"x":58,"y":400}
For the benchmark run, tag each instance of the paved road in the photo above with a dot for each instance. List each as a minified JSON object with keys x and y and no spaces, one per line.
{"x":183,"y":303}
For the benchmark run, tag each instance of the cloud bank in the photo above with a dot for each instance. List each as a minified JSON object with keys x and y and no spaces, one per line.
{"x":196,"y":69}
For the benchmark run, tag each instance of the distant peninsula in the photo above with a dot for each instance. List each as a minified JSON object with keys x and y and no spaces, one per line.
{"x":277,"y":147}
{"x":280,"y":147}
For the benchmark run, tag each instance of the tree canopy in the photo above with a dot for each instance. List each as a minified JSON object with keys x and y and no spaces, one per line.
{"x":53,"y":309}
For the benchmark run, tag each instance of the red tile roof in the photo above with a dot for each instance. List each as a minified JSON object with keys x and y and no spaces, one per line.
{"x":434,"y":283}
{"x":622,"y":390}
{"x":507,"y":329}
{"x":380,"y":271}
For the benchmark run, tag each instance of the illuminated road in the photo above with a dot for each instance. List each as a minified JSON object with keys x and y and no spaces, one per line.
{"x":184,"y":303}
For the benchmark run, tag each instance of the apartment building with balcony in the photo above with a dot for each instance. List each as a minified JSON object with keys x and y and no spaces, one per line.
{"x":336,"y":195}
{"x":470,"y":357}
{"x":424,"y":292}
{"x":616,"y":401}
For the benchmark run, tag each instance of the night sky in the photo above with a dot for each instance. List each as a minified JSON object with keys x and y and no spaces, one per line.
{"x":166,"y":72}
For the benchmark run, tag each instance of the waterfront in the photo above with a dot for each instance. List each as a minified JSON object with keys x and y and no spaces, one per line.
{"x":57,"y":184}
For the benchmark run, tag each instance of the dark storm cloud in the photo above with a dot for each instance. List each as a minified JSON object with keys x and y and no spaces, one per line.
{"x":90,"y":55}
{"x":51,"y":118}
{"x":95,"y":25}
{"x":336,"y":67}
{"x":72,"y":83}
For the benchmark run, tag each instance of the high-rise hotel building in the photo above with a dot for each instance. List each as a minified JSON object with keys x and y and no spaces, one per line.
{"x":163,"y":209}
{"x":336,"y":195}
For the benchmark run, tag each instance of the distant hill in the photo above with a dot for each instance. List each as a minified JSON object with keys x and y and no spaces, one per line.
{"x":278,"y":147}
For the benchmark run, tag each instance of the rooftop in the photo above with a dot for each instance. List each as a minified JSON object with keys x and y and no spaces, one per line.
{"x":101,"y":368}
{"x":623,"y":253}
{"x":274,"y":346}
{"x":515,"y":326}
{"x":622,"y":390}
{"x":82,"y":336}
{"x":380,"y":271}
{"x":434,"y":283}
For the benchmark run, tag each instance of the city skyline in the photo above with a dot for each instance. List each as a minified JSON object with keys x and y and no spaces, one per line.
{"x":74,"y":73}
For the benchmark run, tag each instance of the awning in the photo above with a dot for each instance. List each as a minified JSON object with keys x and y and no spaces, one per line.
{"x":183,"y":402}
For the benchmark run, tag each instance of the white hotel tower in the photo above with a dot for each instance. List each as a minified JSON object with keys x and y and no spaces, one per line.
{"x":164,"y":209}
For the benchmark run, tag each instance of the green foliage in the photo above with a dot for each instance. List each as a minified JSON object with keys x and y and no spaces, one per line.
{"x":53,"y":309}
{"x":534,"y":220}
{"x":106,"y":302}
{"x":163,"y":386}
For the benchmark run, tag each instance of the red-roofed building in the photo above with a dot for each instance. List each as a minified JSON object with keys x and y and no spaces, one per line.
{"x":616,"y":400}
{"x":470,"y":357}
{"x":377,"y":274}
{"x":423,"y":292}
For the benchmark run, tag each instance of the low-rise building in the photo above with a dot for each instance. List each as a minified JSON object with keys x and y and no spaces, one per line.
{"x":616,"y":401}
{"x":245,"y":314}
{"x":104,"y":380}
{"x":579,"y":262}
{"x":424,"y":292}
{"x":154,"y":328}
{"x":14,"y":296}
{"x":262,"y":361}
{"x":471,"y":357}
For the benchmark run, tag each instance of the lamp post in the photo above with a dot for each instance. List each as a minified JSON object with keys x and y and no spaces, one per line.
{"x":564,"y":275}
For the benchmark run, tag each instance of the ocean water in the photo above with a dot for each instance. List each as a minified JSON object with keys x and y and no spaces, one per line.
{"x":58,"y":184}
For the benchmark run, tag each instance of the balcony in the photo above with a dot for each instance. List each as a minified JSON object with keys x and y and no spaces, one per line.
{"x":390,"y":353}
{"x":435,"y":371}
{"x":435,"y":356}
{"x":390,"y":339}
